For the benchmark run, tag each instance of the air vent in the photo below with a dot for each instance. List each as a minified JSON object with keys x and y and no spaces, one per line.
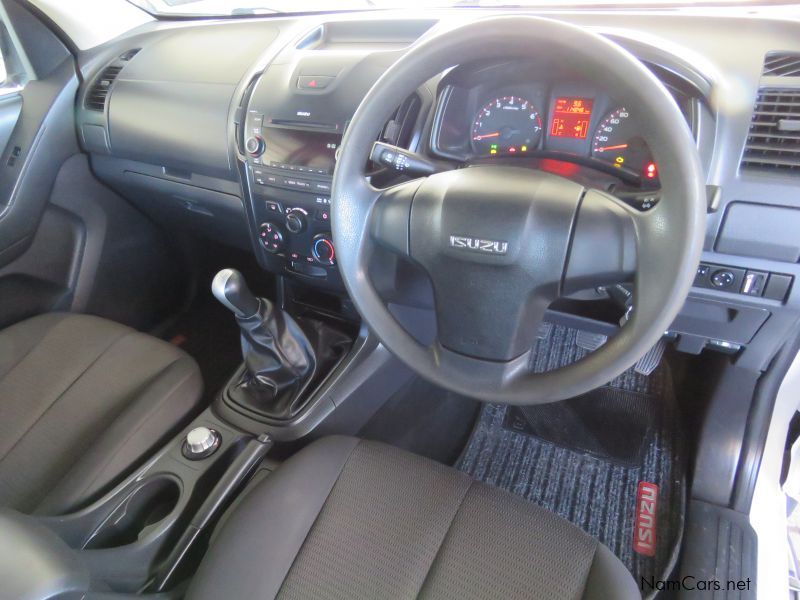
{"x":97,"y":95}
{"x":781,"y":64}
{"x":126,"y":56}
{"x":400,"y":128}
{"x":774,"y":139}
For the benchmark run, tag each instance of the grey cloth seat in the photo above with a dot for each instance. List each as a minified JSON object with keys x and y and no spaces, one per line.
{"x":82,"y":401}
{"x":350,"y":519}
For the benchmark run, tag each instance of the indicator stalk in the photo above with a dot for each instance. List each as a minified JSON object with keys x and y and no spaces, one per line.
{"x":400,"y":160}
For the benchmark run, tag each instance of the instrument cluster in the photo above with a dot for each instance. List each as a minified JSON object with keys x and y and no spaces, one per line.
{"x":571,"y":120}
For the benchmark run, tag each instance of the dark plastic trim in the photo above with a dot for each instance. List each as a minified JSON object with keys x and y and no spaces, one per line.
{"x":759,"y":420}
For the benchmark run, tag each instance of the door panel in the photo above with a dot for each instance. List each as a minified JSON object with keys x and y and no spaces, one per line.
{"x":38,"y":244}
{"x":10,"y":109}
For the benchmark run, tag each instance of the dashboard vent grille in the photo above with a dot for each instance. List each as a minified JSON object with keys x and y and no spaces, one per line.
{"x":773,"y":142}
{"x":126,"y":56}
{"x":97,"y":96}
{"x":781,"y":64}
{"x":400,"y":127}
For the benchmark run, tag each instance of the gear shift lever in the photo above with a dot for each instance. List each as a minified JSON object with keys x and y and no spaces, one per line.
{"x":230,"y":288}
{"x":279,"y":359}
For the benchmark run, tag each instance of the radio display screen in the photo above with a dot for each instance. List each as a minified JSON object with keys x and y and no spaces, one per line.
{"x":313,"y":149}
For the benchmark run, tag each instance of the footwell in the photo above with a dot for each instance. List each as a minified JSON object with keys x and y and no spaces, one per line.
{"x":585,"y":458}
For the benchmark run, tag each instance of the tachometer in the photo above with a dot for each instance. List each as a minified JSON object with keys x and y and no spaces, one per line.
{"x":508,"y":125}
{"x":617,"y":141}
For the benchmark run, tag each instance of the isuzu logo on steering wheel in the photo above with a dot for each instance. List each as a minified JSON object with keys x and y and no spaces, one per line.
{"x":478,"y":245}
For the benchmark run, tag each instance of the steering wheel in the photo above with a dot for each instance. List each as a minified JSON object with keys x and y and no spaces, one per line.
{"x":500,"y":243}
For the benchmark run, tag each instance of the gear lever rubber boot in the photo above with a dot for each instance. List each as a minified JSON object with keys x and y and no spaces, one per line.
{"x":279,"y":358}
{"x":277,"y":354}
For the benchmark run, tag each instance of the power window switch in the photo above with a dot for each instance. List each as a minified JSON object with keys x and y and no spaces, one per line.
{"x":754,"y":283}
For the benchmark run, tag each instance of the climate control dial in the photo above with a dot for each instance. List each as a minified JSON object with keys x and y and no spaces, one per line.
{"x":296,"y":220}
{"x":322,"y":249}
{"x":270,"y":237}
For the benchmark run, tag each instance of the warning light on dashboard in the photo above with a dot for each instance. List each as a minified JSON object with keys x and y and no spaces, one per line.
{"x":651,"y":171}
{"x":512,"y":149}
{"x":524,"y":149}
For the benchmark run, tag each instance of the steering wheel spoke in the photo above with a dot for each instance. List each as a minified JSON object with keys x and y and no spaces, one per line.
{"x":497,"y":374}
{"x":489,"y":315}
{"x":605,"y":243}
{"x":390,"y":218}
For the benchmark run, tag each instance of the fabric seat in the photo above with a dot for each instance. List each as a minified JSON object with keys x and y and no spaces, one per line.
{"x":82,"y":400}
{"x":350,"y":519}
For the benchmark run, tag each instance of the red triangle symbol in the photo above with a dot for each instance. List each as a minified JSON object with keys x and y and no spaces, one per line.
{"x":312,"y":83}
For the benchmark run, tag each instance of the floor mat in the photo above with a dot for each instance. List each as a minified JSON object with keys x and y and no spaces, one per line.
{"x":584,"y":458}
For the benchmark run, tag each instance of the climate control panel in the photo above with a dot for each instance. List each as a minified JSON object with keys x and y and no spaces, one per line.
{"x":272,"y":239}
{"x":294,"y":235}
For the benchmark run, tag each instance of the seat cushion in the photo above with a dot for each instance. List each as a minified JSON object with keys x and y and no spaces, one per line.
{"x":82,"y":400}
{"x":350,"y":519}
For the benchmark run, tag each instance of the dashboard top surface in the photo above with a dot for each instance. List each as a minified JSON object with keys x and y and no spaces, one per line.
{"x":703,"y":46}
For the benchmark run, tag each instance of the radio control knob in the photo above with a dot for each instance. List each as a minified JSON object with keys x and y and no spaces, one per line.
{"x":254,"y":145}
{"x":296,"y":220}
{"x":270,"y":237}
{"x":322,"y":249}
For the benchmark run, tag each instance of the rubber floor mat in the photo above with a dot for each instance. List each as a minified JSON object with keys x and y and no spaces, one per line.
{"x":584,"y":458}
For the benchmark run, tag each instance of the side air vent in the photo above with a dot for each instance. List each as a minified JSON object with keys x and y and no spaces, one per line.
{"x":126,"y":56}
{"x":781,"y":64}
{"x":773,"y":142}
{"x":97,"y":96}
{"x":400,"y":127}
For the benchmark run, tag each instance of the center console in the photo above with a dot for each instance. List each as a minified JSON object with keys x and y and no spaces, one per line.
{"x":289,"y":171}
{"x":291,"y":128}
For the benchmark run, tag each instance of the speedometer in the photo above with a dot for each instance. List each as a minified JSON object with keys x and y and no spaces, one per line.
{"x":617,"y":141}
{"x":507,"y":125}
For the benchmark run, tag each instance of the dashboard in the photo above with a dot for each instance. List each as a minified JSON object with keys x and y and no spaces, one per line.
{"x":240,"y":146}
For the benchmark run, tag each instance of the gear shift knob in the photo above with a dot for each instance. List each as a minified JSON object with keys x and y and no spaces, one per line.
{"x":230,"y":288}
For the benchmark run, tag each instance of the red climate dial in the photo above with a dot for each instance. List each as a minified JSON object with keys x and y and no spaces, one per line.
{"x":322,"y":249}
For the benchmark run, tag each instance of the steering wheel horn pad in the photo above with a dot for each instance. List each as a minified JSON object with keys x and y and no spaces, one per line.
{"x":501,"y":243}
{"x":494,"y":243}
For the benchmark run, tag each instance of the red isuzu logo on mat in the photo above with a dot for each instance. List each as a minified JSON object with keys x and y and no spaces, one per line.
{"x":644,"y":532}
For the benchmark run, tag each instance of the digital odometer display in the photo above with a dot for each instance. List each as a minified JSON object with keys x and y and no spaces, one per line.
{"x":571,"y":117}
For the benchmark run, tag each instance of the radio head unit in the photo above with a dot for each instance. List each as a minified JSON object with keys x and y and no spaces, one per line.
{"x":315,"y":151}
